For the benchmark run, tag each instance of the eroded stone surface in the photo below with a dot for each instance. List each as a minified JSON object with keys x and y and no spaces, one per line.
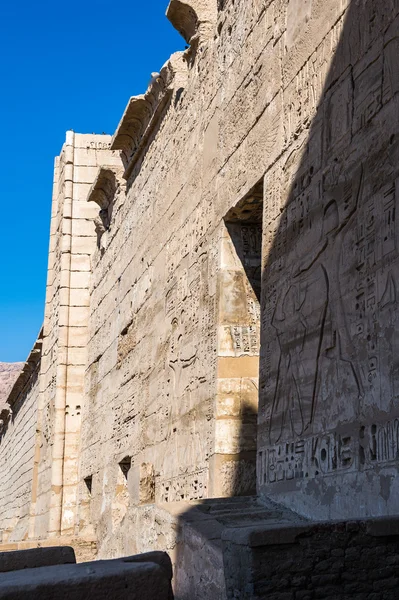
{"x":119,"y":579}
{"x":36,"y":557}
{"x":249,"y":264}
{"x":8,"y":375}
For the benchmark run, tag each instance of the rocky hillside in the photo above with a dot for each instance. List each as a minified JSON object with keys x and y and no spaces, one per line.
{"x":8,"y":375}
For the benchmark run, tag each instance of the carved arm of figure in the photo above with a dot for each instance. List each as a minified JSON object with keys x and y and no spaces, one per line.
{"x":311,"y":258}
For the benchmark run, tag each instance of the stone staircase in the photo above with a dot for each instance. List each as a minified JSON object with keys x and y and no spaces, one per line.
{"x":245,"y":549}
{"x":247,"y":511}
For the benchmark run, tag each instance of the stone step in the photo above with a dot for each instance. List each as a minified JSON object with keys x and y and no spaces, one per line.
{"x":255,"y":516}
{"x":234,"y":511}
{"x":237,"y":513}
{"x":145,"y":576}
{"x":214,"y":504}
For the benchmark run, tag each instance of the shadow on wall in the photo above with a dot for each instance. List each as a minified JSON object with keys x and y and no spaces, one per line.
{"x":199,"y":566}
{"x":330,"y":337}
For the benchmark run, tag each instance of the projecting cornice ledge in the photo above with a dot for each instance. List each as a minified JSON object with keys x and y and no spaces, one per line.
{"x":105,"y":186}
{"x":132,"y":126}
{"x":144,"y":113}
{"x":31,"y":365}
{"x":193,"y":18}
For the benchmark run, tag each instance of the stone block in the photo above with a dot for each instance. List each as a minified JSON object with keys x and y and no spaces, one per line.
{"x":117,"y":579}
{"x":83,"y":227}
{"x":36,"y":557}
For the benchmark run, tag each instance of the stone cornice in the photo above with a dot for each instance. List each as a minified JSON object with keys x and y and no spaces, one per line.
{"x":132,"y":126}
{"x":143,"y":113}
{"x":195,"y":20}
{"x":31,"y":365}
{"x":105,"y":186}
{"x":154,"y":121}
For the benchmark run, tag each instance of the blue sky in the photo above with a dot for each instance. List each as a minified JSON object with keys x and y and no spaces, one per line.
{"x":64,"y":65}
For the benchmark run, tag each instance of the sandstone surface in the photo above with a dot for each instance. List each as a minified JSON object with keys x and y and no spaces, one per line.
{"x":222,"y":310}
{"x":8,"y":375}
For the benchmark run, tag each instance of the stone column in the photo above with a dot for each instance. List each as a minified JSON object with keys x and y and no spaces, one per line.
{"x":73,"y":240}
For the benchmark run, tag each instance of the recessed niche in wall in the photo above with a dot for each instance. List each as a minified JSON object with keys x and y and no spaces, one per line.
{"x":85,"y":506}
{"x":239,"y":342}
{"x":121,"y":498}
{"x":88,"y":483}
{"x":125,"y":465}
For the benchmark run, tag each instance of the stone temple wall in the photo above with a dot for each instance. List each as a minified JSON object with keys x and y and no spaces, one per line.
{"x":260,"y":166}
{"x":328,"y":424}
{"x":72,"y":240}
{"x":17,"y":450}
{"x":232,"y":249}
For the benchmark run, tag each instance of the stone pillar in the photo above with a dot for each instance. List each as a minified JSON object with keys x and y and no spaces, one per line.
{"x":73,"y":239}
{"x":232,"y":466}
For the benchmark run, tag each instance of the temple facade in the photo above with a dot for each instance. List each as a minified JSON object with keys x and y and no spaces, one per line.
{"x":221,"y":314}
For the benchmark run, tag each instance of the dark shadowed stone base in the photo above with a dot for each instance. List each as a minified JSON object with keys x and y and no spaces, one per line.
{"x":244,"y":549}
{"x":146,"y":577}
{"x":36,"y":557}
{"x":331,"y":561}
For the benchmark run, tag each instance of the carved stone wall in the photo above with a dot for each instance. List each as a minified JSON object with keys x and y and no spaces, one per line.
{"x":17,"y":450}
{"x":280,"y":98}
{"x":72,"y":240}
{"x":241,"y":220}
{"x":328,"y":427}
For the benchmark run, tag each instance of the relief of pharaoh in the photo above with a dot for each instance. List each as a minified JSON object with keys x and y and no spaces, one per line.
{"x":310,"y":321}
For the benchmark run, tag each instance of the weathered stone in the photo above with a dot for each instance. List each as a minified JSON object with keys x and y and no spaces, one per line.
{"x":36,"y":557}
{"x":8,"y":374}
{"x":229,"y":322}
{"x":118,"y":579}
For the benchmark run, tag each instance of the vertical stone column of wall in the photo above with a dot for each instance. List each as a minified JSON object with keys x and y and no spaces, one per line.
{"x":35,"y":508}
{"x":233,"y":463}
{"x":42,"y":470}
{"x":60,"y":399}
{"x":73,"y":239}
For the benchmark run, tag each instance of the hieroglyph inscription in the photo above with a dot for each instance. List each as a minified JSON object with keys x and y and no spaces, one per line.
{"x":334,"y":319}
{"x":321,"y":455}
{"x":374,"y":444}
{"x":98,"y":145}
{"x":245,"y":339}
{"x":186,"y":487}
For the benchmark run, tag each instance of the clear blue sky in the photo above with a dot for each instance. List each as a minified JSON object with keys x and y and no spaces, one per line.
{"x":64,"y":65}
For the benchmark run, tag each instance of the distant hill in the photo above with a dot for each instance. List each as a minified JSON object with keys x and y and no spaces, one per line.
{"x":8,"y":375}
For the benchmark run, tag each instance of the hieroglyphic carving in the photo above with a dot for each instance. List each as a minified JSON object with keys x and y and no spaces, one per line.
{"x":95,"y":145}
{"x":245,"y":339}
{"x":185,"y":487}
{"x":301,"y":108}
{"x":330,"y":453}
{"x":305,"y":458}
{"x":189,"y":305}
{"x":310,"y":322}
{"x":182,"y":355}
{"x":342,"y":298}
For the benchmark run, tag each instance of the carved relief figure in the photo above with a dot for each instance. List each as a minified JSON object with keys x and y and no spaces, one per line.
{"x":299,"y":324}
{"x":314,"y":299}
{"x":181,"y":356}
